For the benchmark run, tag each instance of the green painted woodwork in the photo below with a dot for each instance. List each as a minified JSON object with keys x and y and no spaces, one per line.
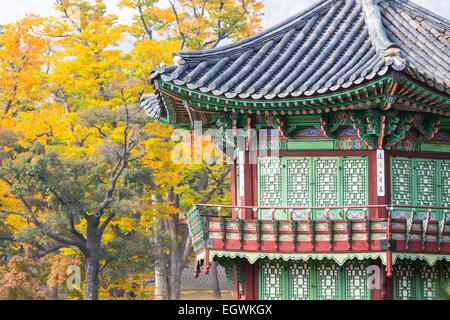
{"x":431,"y":259}
{"x":298,"y":182}
{"x":312,"y":181}
{"x":356,"y":280}
{"x":300,"y":282}
{"x":445,"y":183}
{"x":339,"y":258}
{"x":404,"y":281}
{"x":417,"y":280}
{"x":228,"y":266}
{"x":402,"y":181}
{"x":324,"y":144}
{"x":271,"y":280}
{"x":429,"y":281}
{"x":435,"y":147}
{"x":270,"y":185}
{"x":328,"y":281}
{"x":197,"y":228}
{"x":203,"y":102}
{"x":420,"y":182}
{"x":313,"y":280}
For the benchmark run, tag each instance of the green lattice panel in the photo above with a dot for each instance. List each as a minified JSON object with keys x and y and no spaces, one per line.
{"x":328,"y":281}
{"x":404,"y":281}
{"x":402,"y":181}
{"x":445,"y":182}
{"x":270,"y":182}
{"x":429,"y":281}
{"x":271,"y":276}
{"x":425,"y":182}
{"x":446,"y":282}
{"x":354,"y":181}
{"x":356,"y":280}
{"x":326,"y":182}
{"x":299,"y":280}
{"x":298,"y":182}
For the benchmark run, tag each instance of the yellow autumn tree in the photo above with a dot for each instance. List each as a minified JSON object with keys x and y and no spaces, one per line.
{"x":71,"y":172}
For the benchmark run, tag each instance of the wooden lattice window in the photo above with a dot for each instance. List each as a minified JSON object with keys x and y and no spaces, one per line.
{"x":313,"y":280}
{"x":312,"y":181}
{"x":300,"y":280}
{"x":429,"y":281}
{"x":270,"y":184}
{"x":445,"y":181}
{"x":404,"y":281}
{"x":356,"y":280}
{"x":420,"y":182}
{"x":328,"y":281}
{"x":271,"y":280}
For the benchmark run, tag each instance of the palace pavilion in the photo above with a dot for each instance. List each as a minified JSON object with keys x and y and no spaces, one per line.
{"x":346,"y":192}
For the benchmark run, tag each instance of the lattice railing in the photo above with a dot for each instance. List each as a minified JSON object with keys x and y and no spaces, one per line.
{"x":197,"y":228}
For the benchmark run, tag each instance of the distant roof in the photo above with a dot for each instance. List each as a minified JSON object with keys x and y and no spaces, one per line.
{"x":331,"y":46}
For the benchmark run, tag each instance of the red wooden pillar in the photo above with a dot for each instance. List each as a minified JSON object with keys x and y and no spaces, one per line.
{"x":250,"y":274}
{"x":388,"y":286}
{"x":236,"y":295}
{"x":233,"y":183}
{"x":377,"y":285}
{"x":249,"y":179}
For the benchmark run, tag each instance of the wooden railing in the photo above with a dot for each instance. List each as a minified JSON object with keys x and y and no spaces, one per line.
{"x":405,"y":228}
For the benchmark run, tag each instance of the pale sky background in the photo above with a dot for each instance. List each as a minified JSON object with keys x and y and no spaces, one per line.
{"x":275,"y":10}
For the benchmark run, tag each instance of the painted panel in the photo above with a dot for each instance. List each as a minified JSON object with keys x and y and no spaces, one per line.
{"x":310,"y":145}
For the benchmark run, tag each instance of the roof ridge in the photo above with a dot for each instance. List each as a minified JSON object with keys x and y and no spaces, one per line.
{"x":375,"y":26}
{"x":424,"y":12}
{"x":383,"y":45}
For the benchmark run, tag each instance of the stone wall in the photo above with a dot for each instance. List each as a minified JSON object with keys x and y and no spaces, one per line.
{"x":188,"y":282}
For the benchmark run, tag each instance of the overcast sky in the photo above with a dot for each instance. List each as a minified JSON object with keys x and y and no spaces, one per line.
{"x":275,"y":10}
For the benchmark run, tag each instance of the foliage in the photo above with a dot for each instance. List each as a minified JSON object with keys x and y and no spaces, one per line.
{"x":196,"y":24}
{"x":85,"y":177}
{"x":21,"y":278}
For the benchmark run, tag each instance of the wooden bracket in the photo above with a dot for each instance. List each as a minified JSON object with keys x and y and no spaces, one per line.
{"x":241,"y":231}
{"x":409,"y":223}
{"x":425,"y":223}
{"x":441,"y":228}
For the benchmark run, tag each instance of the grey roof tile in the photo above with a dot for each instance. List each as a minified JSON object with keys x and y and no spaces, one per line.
{"x":331,"y":46}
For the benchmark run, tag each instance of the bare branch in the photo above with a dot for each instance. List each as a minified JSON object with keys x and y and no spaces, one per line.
{"x":144,"y":24}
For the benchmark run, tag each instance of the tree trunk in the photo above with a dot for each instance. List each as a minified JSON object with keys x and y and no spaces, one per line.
{"x":92,"y":259}
{"x":161,"y":285}
{"x":215,"y":280}
{"x":174,"y":284}
{"x":53,"y":293}
{"x":91,"y":289}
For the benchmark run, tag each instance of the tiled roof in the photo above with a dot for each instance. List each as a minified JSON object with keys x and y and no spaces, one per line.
{"x":329,"y":47}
